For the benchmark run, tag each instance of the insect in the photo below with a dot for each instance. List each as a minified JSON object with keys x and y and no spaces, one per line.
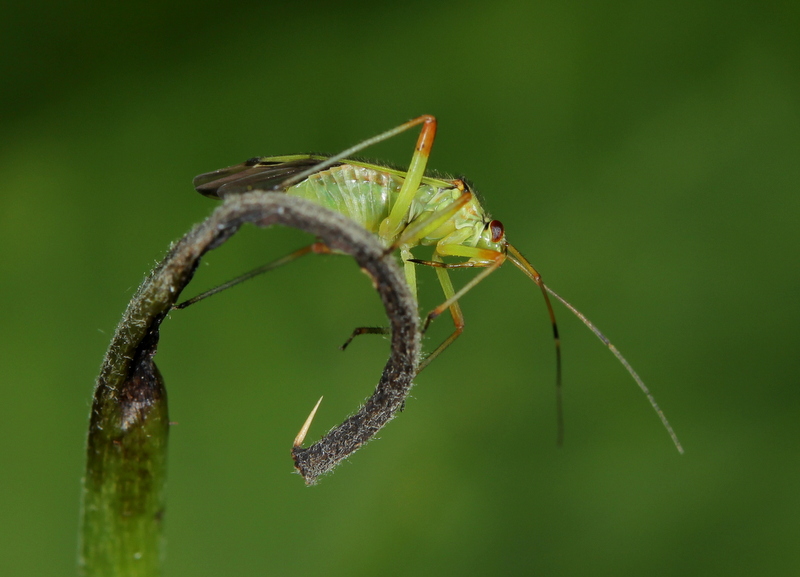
{"x":405,"y":209}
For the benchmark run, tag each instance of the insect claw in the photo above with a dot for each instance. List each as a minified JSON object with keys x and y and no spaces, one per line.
{"x":298,"y":440}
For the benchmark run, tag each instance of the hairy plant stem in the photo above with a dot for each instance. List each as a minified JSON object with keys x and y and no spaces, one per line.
{"x":123,"y":489}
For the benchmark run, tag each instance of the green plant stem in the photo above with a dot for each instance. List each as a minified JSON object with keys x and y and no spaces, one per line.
{"x":125,"y":477}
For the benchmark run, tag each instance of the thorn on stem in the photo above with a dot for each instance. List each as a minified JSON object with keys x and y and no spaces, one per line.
{"x":301,"y":436}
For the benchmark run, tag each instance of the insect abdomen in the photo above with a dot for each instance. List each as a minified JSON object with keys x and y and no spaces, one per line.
{"x":362,"y":194}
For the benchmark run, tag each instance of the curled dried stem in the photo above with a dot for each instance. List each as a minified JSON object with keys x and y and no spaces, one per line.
{"x":123,"y":494}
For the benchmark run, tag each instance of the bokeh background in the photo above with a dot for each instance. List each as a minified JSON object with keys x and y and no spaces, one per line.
{"x":644,"y":156}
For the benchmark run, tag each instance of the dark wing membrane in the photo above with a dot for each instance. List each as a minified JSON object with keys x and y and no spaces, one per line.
{"x":260,"y":173}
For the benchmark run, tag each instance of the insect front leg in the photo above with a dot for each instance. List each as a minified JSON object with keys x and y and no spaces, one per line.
{"x":479,"y":257}
{"x":487,"y":259}
{"x":455,"y":308}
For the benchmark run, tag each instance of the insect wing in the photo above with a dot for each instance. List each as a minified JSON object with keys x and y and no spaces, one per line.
{"x":209,"y":183}
{"x":265,"y":173}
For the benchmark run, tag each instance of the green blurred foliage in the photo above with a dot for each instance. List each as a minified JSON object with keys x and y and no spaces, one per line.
{"x":644,"y":156}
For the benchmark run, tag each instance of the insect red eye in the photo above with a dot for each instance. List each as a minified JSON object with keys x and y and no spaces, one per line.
{"x":497,"y":230}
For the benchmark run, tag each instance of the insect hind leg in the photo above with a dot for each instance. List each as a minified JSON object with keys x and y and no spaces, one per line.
{"x":316,"y":247}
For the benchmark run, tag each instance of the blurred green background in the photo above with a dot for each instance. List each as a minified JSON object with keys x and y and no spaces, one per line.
{"x":644,"y":156}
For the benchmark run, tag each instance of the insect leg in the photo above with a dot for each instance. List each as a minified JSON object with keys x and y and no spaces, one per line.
{"x":316,"y":247}
{"x":489,"y":259}
{"x":411,"y":235}
{"x":411,"y":279}
{"x":358,"y":331}
{"x":391,"y":227}
{"x":422,"y":227}
{"x":421,"y":153}
{"x":409,"y":270}
{"x":455,"y":311}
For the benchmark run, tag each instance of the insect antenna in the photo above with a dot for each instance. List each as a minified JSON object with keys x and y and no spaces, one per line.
{"x":522,"y":263}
